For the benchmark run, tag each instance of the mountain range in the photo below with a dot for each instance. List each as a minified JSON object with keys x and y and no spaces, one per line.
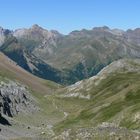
{"x":66,"y":59}
{"x":83,"y":86}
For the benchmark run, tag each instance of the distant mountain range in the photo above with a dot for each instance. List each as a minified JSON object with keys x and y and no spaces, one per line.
{"x":67,"y":59}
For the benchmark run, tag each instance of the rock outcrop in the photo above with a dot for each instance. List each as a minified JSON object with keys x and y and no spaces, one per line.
{"x":3,"y":34}
{"x":14,"y":99}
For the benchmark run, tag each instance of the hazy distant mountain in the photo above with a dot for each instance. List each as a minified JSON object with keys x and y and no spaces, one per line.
{"x":72,"y":57}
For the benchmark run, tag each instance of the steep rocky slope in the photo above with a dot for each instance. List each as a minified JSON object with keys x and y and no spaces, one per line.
{"x":18,"y":52}
{"x":14,"y":98}
{"x":24,"y":111}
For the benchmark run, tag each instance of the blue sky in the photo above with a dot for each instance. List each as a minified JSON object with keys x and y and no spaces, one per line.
{"x":68,"y":15}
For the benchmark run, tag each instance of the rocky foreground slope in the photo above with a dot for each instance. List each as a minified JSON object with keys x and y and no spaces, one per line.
{"x":24,"y":112}
{"x":14,"y":99}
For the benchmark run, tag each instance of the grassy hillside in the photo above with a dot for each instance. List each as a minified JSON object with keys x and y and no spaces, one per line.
{"x":114,"y":100}
{"x":106,"y":106}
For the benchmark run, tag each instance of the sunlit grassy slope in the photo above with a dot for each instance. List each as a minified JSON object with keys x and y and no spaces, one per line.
{"x":114,"y":98}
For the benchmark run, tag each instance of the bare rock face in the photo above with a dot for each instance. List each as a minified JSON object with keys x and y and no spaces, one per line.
{"x":133,"y":36}
{"x":14,"y":98}
{"x":35,"y":33}
{"x":3,"y":34}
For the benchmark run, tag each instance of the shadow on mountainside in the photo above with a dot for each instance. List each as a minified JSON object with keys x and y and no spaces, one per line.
{"x":3,"y":121}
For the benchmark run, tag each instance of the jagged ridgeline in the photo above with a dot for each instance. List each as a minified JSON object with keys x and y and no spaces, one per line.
{"x":67,"y":59}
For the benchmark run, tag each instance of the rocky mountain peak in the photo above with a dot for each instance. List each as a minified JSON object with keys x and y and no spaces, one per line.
{"x":3,"y":34}
{"x":36,"y":27}
{"x":137,"y":30}
{"x":101,"y":28}
{"x":4,"y":31}
{"x":19,"y":32}
{"x":117,"y":31}
{"x":1,"y":29}
{"x":133,"y":36}
{"x":56,"y":33}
